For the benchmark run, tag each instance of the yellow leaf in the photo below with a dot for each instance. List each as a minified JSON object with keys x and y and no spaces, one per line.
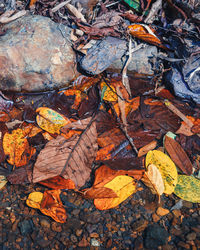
{"x":17,"y":147}
{"x":188,"y":188}
{"x":108,"y":92}
{"x":166,"y":167}
{"x":34,"y":199}
{"x":50,"y":120}
{"x":153,"y":179}
{"x":3,"y":181}
{"x":123,"y":186}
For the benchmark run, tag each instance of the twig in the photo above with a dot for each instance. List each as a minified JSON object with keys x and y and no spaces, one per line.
{"x":59,"y":6}
{"x":125,"y":80}
{"x":153,"y":12}
{"x":7,"y":18}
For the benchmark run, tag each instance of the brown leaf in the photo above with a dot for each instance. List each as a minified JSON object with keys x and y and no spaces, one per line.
{"x":22,"y":175}
{"x":144,"y":150}
{"x":70,"y":158}
{"x":196,"y":129}
{"x":178,"y":155}
{"x":100,"y":192}
{"x":58,"y":182}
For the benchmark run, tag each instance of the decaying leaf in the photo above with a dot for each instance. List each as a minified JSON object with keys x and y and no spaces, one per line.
{"x":123,"y":186}
{"x":153,"y":179}
{"x":178,"y":155}
{"x":108,"y":92}
{"x":166,"y":167}
{"x":17,"y":147}
{"x":58,"y":182}
{"x":52,"y":206}
{"x":34,"y":199}
{"x":22,"y":175}
{"x":3,"y":181}
{"x":188,"y":188}
{"x":144,"y":150}
{"x":50,"y":120}
{"x":101,"y":192}
{"x":70,"y":158}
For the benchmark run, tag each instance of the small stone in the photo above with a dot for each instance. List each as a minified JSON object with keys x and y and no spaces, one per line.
{"x":73,"y":238}
{"x":44,"y":223}
{"x":26,"y":227}
{"x":139,"y":225}
{"x":83,"y":242}
{"x":162,"y":211}
{"x":155,"y":236}
{"x":79,"y":232}
{"x":191,"y":236}
{"x":176,"y":213}
{"x":109,"y":243}
{"x":183,"y":245}
{"x":95,"y":243}
{"x":155,"y":218}
{"x":187,"y":204}
{"x":56,"y":227}
{"x":94,"y":235}
{"x":43,"y":243}
{"x":89,"y":217}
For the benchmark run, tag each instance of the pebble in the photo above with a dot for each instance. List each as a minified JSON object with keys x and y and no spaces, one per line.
{"x":94,"y":235}
{"x":79,"y":232}
{"x":95,"y":243}
{"x":191,"y":236}
{"x":92,"y":218}
{"x":44,"y":223}
{"x":83,"y":242}
{"x":176,"y":213}
{"x":56,"y":227}
{"x":162,"y":211}
{"x":26,"y":227}
{"x":73,"y":238}
{"x":183,"y":245}
{"x":155,"y":218}
{"x":139,"y":225}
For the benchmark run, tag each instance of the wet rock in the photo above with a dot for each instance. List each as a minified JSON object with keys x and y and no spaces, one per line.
{"x":83,"y":242}
{"x":155,"y":236}
{"x":162,"y":211}
{"x":88,"y":217}
{"x":73,"y":238}
{"x":56,"y":227}
{"x":139,"y":225}
{"x":110,"y":53}
{"x":35,"y":55}
{"x":95,"y":243}
{"x":26,"y":227}
{"x":191,"y":236}
{"x":44,"y":223}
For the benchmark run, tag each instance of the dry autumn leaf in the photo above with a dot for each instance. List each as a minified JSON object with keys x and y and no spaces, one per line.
{"x":178,"y":155}
{"x":101,"y":192}
{"x":52,"y":206}
{"x":50,"y":120}
{"x":70,"y":158}
{"x":144,"y":150}
{"x":34,"y":199}
{"x":58,"y":182}
{"x":144,"y":33}
{"x":188,"y":188}
{"x":153,"y":179}
{"x":16,"y":146}
{"x":166,"y":167}
{"x":123,"y":186}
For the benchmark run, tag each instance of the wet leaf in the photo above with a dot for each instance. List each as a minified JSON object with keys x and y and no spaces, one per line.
{"x":178,"y":155}
{"x":144,"y":150}
{"x":3,"y":181}
{"x":34,"y":199}
{"x":188,"y":188}
{"x":153,"y":179}
{"x":144,"y":33}
{"x":166,"y":167}
{"x":135,"y":4}
{"x":123,"y":186}
{"x":101,"y":192}
{"x":16,"y":146}
{"x":52,"y":206}
{"x":58,"y":182}
{"x":22,"y":175}
{"x":70,"y":158}
{"x":50,"y":120}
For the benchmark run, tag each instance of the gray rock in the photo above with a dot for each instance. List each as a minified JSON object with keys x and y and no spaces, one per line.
{"x":155,"y":236}
{"x":110,"y":53}
{"x":26,"y":227}
{"x":35,"y":55}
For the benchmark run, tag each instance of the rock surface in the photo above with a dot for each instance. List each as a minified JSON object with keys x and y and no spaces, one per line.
{"x":110,"y":53}
{"x":35,"y":55}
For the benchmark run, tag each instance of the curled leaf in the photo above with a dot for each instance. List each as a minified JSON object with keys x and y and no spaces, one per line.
{"x":188,"y":188}
{"x":101,"y":192}
{"x":123,"y":186}
{"x":166,"y":167}
{"x":34,"y":199}
{"x":153,"y":179}
{"x":50,"y":120}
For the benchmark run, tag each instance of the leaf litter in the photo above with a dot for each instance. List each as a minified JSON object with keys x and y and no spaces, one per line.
{"x":77,"y":136}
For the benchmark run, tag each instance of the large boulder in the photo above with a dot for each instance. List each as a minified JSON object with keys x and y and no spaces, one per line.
{"x":36,"y":55}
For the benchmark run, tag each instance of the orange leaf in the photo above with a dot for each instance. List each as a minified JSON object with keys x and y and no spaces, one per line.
{"x":104,"y":153}
{"x":32,"y":2}
{"x":144,"y":150}
{"x":152,"y":102}
{"x":97,"y":193}
{"x":141,"y":32}
{"x":13,"y":114}
{"x":17,"y":147}
{"x":78,"y":96}
{"x":58,"y":182}
{"x":52,"y":206}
